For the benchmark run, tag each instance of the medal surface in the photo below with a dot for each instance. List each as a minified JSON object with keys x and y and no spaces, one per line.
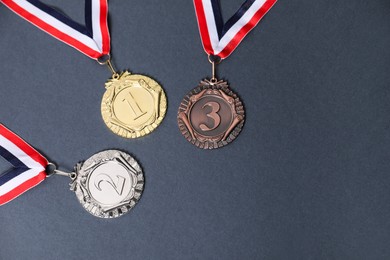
{"x":108,"y":184}
{"x":133,"y":105}
{"x":211,"y":115}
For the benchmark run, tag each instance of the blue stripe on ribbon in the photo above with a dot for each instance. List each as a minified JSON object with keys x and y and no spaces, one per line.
{"x":223,"y":28}
{"x":218,"y":17}
{"x":19,"y":167}
{"x":86,"y":30}
{"x":88,"y":16}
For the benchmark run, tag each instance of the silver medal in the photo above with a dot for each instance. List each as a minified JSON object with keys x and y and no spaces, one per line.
{"x":108,"y":184}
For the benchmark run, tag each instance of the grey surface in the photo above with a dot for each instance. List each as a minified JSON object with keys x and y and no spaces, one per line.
{"x":308,"y":178}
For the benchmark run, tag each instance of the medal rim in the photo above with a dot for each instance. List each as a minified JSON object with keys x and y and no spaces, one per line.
{"x":186,"y":106}
{"x":88,"y":202}
{"x":148,"y":127}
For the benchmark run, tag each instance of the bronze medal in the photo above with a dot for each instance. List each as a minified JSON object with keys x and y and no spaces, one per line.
{"x":211,"y":115}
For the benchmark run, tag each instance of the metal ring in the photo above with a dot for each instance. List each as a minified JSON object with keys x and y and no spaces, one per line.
{"x":213,"y":80}
{"x":50,"y":172}
{"x":102,"y":60}
{"x":217,"y":61}
{"x":73,"y":175}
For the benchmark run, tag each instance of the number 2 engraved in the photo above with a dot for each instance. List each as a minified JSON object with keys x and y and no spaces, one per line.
{"x":215,"y":107}
{"x":118,"y":186}
{"x":129,"y":99}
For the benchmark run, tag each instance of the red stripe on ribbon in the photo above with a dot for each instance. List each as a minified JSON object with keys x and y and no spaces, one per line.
{"x":104,"y":26}
{"x":233,"y":44}
{"x":203,"y":29}
{"x":29,"y":184}
{"x":25,"y":147}
{"x":63,"y":36}
{"x":237,"y":38}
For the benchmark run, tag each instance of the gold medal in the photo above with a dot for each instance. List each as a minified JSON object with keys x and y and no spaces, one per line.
{"x":133,"y":105}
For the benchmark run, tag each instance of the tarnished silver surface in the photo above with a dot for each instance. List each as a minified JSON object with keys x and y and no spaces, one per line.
{"x":108,"y":184}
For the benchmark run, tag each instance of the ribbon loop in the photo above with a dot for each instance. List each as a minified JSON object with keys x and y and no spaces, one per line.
{"x":220,"y":38}
{"x":28,"y":166}
{"x":92,"y":39}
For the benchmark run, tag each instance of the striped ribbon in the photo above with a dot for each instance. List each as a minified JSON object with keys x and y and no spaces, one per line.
{"x":28,"y":166}
{"x":92,"y":39}
{"x":220,"y":38}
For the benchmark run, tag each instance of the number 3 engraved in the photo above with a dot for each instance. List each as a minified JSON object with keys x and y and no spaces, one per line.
{"x":215,"y":107}
{"x":118,"y":186}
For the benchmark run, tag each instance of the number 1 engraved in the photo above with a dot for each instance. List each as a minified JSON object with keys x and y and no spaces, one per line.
{"x":118,"y":186}
{"x":215,"y":107}
{"x":129,"y":99}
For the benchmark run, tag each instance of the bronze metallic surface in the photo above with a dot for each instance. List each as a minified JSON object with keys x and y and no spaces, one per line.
{"x":211,"y":115}
{"x":133,"y":105}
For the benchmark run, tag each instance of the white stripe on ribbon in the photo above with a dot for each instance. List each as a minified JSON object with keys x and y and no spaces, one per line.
{"x":96,"y":30}
{"x":211,"y":25}
{"x":35,"y":167}
{"x":96,"y":46}
{"x":219,"y":45}
{"x":229,"y":35}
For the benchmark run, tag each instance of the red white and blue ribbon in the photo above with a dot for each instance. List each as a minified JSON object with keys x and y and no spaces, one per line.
{"x":92,"y":39}
{"x":28,"y":166}
{"x":220,"y":38}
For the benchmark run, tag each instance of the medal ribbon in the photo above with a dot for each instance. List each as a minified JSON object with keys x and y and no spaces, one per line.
{"x":28,"y":166}
{"x":92,"y":39}
{"x":222,"y":39}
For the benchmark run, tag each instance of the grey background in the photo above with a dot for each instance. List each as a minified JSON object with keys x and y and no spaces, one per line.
{"x":308,"y":178}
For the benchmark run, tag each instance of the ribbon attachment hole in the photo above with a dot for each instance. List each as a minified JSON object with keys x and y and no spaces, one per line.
{"x":50,"y":169}
{"x":103,"y":60}
{"x":214,"y":59}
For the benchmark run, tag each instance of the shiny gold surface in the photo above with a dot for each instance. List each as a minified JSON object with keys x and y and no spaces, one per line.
{"x":133,"y":105}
